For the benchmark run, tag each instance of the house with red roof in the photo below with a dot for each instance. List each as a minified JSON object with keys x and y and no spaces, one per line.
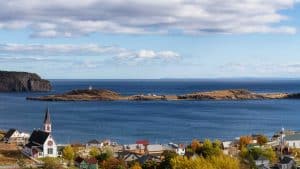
{"x":89,"y":163}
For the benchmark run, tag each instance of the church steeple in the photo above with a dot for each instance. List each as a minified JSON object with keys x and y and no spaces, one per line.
{"x":47,"y":121}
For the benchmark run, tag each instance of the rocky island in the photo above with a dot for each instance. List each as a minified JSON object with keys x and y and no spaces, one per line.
{"x":108,"y":95}
{"x":22,"y":82}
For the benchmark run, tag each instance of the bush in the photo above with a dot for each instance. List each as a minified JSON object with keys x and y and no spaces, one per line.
{"x":244,"y":141}
{"x":209,"y":149}
{"x":68,"y":153}
{"x":195,"y":145}
{"x":136,"y":166}
{"x":51,"y":163}
{"x":166,"y":162}
{"x":254,"y":153}
{"x":94,"y":152}
{"x":112,"y":163}
{"x":262,"y":140}
{"x":214,"y":162}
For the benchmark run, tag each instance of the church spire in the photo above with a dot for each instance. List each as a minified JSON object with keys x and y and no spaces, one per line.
{"x":47,"y":121}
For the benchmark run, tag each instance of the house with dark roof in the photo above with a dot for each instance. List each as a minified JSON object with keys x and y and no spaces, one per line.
{"x":286,"y":162}
{"x":141,"y":158}
{"x":15,"y":136}
{"x":142,"y":152}
{"x":90,"y":163}
{"x":94,"y":143}
{"x":41,"y":143}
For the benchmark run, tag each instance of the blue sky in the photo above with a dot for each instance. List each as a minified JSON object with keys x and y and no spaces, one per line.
{"x":143,"y":39}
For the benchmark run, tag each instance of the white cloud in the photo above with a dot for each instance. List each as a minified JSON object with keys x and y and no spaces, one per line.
{"x":76,"y":17}
{"x":42,"y":51}
{"x":147,"y":55}
{"x":14,"y":59}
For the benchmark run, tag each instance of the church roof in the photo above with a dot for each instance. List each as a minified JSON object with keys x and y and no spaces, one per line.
{"x":38,"y":137}
{"x":9,"y":133}
{"x":47,"y":118}
{"x":30,"y":145}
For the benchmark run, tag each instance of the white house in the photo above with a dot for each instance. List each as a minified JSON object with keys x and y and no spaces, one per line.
{"x":292,"y":141}
{"x":262,"y":163}
{"x":94,"y":143}
{"x":179,"y":149}
{"x":15,"y":136}
{"x":41,"y":143}
{"x":226,"y":145}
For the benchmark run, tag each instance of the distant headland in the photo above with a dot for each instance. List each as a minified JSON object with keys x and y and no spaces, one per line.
{"x":22,"y":82}
{"x":108,"y":95}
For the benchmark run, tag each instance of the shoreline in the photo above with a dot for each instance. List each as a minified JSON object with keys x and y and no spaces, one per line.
{"x":108,"y":95}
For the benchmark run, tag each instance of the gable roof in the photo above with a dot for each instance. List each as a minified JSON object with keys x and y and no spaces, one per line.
{"x":88,"y":161}
{"x":145,"y":158}
{"x":47,"y":119}
{"x":30,"y":145}
{"x":143,"y":142}
{"x":286,"y":160}
{"x":78,"y":159}
{"x":295,"y":136}
{"x":131,"y":156}
{"x":9,"y":133}
{"x":94,"y":141}
{"x":91,"y":161}
{"x":262,"y":158}
{"x":38,"y":137}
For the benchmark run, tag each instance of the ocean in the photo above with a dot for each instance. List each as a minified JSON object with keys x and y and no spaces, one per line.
{"x":157,"y":121}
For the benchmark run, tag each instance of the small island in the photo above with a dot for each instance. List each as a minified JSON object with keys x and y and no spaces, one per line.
{"x":22,"y":82}
{"x":108,"y":95}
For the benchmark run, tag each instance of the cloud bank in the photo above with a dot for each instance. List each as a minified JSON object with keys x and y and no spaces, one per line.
{"x":46,"y":52}
{"x":70,"y":18}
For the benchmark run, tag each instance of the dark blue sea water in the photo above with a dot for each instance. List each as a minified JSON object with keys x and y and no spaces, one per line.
{"x":157,"y":121}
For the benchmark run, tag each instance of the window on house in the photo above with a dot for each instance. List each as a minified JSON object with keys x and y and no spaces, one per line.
{"x":50,"y":150}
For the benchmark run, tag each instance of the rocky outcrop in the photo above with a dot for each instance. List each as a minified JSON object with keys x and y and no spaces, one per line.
{"x":237,"y":94}
{"x":147,"y":97}
{"x":82,"y":95}
{"x":22,"y":81}
{"x":107,"y":95}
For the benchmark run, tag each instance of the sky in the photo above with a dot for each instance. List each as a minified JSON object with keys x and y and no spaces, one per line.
{"x":147,"y":39}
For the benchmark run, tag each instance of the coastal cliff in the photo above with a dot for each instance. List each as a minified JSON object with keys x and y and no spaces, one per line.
{"x":22,"y":81}
{"x":107,"y":95}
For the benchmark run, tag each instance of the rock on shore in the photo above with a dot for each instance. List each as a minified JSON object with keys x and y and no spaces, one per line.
{"x":81,"y":95}
{"x":107,"y":95}
{"x":22,"y":81}
{"x":231,"y":94}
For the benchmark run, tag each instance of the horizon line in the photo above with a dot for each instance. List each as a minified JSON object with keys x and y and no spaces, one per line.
{"x":215,"y":78}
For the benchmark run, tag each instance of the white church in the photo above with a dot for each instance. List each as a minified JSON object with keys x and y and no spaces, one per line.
{"x":41,"y":143}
